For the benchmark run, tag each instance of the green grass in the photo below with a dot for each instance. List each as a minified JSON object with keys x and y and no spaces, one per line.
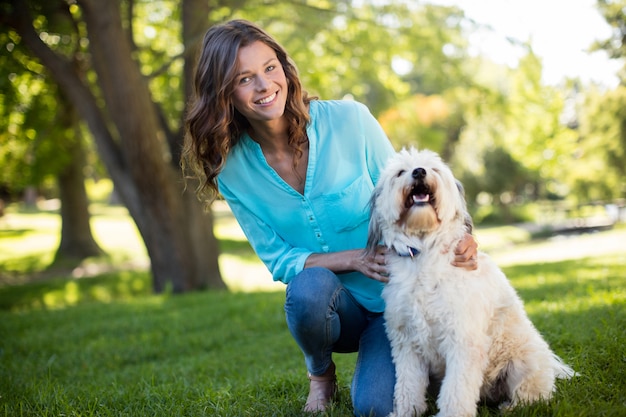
{"x":199,"y":354}
{"x":106,"y":346}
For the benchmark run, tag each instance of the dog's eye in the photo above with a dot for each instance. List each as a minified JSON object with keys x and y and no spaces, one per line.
{"x":400,"y":173}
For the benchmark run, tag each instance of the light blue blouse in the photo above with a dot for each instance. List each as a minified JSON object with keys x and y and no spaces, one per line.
{"x":347,"y":151}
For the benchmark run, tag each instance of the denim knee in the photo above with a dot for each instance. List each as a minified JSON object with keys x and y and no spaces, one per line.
{"x":312,"y":286}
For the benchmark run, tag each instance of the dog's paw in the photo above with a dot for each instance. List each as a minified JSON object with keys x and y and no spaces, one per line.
{"x":452,"y":413}
{"x":399,"y":414}
{"x":408,"y":412}
{"x":506,"y":406}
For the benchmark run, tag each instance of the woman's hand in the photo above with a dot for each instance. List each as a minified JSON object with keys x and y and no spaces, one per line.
{"x":373,"y":266}
{"x":466,"y":253}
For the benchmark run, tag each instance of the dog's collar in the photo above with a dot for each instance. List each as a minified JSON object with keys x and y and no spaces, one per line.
{"x":412,"y":252}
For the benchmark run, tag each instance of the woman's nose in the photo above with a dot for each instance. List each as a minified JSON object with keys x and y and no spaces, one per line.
{"x":263,"y":82}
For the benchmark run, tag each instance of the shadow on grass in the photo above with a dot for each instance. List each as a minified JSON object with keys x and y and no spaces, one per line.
{"x":54,"y":287}
{"x":23,"y":265}
{"x":63,"y":292}
{"x":11,"y":233}
{"x":547,"y":280}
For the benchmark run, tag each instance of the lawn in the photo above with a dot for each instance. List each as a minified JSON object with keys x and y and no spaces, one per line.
{"x":95,"y":342}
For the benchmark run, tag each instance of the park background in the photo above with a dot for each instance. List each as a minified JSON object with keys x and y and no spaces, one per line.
{"x":119,"y":295}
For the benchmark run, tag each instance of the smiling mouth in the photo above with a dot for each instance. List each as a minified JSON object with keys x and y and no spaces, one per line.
{"x":419,"y":195}
{"x":266,"y":100}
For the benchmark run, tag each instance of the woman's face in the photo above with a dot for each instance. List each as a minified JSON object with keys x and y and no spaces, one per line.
{"x":260,"y":85}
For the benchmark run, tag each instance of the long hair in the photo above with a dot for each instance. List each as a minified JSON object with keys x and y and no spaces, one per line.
{"x":213,"y":125}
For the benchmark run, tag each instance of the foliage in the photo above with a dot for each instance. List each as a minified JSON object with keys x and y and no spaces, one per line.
{"x":156,"y":29}
{"x":419,"y":121}
{"x":601,"y":149}
{"x":516,"y":146}
{"x":342,"y":51}
{"x":470,"y":125}
{"x":614,"y":12}
{"x":355,"y":51}
{"x":32,"y":138}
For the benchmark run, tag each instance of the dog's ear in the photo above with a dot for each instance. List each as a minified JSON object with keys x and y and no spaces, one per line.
{"x":469,"y":224}
{"x":375,"y":232}
{"x":461,"y":189}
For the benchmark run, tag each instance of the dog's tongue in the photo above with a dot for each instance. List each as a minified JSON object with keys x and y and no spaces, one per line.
{"x":421,"y":198}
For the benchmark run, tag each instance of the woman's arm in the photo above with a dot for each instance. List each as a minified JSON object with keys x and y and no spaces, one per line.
{"x":352,"y":260}
{"x":375,"y":267}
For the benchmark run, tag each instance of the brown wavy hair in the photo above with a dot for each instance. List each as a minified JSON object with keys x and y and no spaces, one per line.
{"x":213,"y":125}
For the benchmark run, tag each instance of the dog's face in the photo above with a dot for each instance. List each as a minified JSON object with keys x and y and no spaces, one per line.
{"x":416,"y":193}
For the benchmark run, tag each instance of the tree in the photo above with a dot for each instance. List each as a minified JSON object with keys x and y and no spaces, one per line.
{"x":131,"y":136}
{"x":432,"y":122}
{"x":614,"y":12}
{"x":603,"y":122}
{"x":36,"y":148}
{"x":518,"y":124}
{"x":601,"y":148}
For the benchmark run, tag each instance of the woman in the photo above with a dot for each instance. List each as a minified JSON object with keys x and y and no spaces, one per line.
{"x":297,"y":174}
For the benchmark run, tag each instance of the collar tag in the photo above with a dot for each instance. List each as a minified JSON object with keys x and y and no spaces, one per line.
{"x":412,"y":252}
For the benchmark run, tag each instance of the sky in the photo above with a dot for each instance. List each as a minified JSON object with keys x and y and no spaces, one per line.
{"x":560,"y":32}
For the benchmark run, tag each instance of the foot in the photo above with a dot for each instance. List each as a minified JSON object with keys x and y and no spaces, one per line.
{"x":321,"y":391}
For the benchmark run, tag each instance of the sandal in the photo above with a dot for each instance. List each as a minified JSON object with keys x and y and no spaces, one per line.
{"x":322,"y":390}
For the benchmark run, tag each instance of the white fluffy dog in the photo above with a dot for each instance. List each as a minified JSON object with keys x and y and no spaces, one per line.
{"x":467,"y":329}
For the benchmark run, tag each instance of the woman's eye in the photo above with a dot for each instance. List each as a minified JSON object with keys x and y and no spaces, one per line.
{"x":244,"y":80}
{"x":400,"y":173}
{"x":270,"y":68}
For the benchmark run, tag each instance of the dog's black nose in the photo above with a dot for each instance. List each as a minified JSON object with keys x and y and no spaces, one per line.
{"x":419,"y":173}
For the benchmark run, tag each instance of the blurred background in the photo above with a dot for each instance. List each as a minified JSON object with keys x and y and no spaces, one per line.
{"x":526,"y":100}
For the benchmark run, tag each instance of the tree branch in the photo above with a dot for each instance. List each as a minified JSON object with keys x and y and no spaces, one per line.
{"x":65,"y":75}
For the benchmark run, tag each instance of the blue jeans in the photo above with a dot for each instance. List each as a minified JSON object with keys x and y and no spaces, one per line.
{"x":323,"y":318}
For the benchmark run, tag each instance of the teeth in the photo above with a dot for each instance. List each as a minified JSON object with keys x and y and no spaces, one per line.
{"x":421,"y":198}
{"x":267,"y":99}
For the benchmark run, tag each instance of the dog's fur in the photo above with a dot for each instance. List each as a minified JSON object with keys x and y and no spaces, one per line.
{"x":467,"y":329}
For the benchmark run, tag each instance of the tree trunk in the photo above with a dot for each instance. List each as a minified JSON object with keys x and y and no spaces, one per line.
{"x":77,"y":241}
{"x":160,"y":213}
{"x":204,"y":243}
